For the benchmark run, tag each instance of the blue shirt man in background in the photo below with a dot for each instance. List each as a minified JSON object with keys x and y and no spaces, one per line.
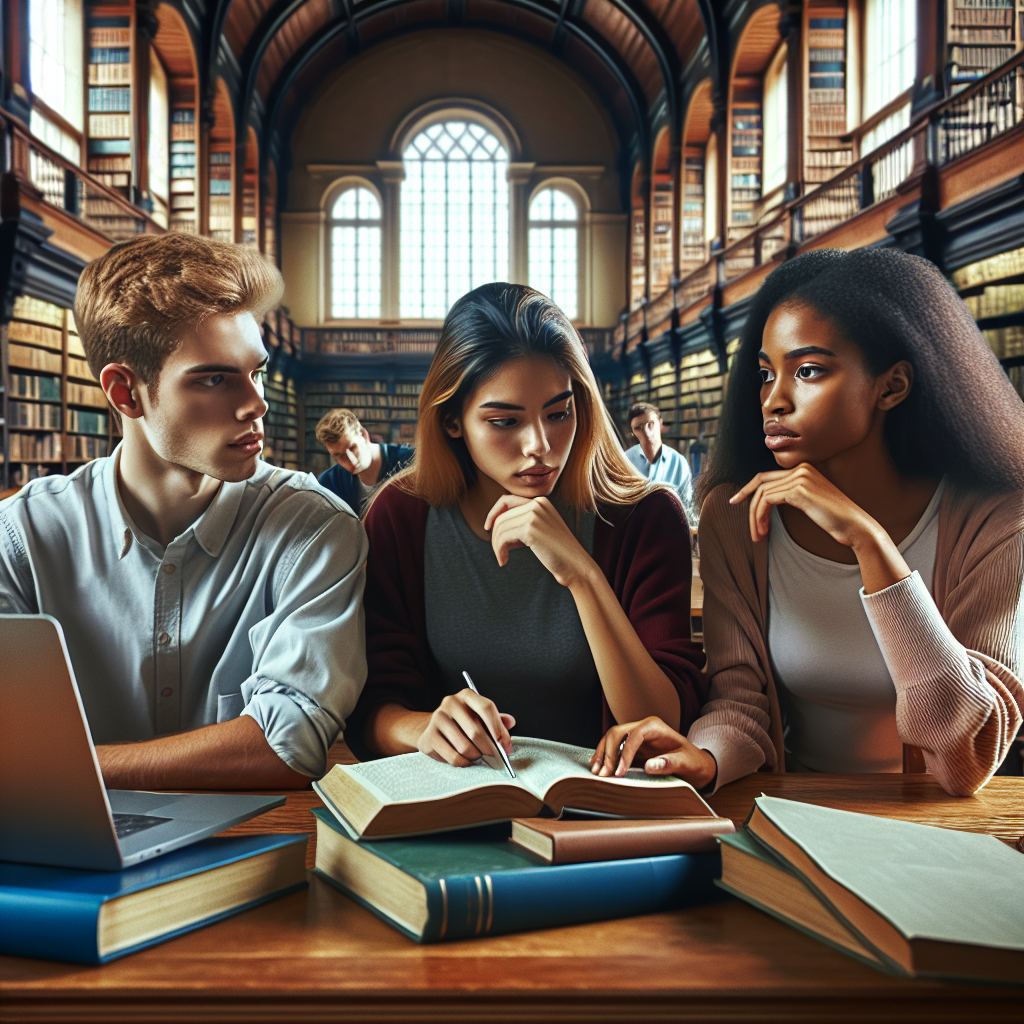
{"x":360,"y":464}
{"x":656,"y":461}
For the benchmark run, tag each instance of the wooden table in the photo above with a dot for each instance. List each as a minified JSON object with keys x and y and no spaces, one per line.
{"x":317,"y":956}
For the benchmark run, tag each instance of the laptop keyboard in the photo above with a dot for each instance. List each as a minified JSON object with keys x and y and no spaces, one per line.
{"x":128,"y":824}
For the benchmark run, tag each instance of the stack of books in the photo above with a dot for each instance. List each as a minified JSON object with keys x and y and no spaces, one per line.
{"x":909,"y":899}
{"x":447,"y":853}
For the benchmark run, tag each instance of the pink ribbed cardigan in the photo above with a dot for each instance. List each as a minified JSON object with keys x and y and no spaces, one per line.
{"x":954,"y":655}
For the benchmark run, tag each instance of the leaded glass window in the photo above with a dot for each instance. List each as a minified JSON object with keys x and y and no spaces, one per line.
{"x":554,"y":249}
{"x":454,"y":216}
{"x":355,"y":255}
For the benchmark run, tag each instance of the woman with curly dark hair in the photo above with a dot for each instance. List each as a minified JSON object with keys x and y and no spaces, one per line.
{"x":861,"y":538}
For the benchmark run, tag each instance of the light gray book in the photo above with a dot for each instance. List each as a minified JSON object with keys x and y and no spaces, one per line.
{"x":930,"y":901}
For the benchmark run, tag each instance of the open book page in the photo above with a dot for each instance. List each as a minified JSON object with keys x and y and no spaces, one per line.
{"x":411,"y":777}
{"x":539,"y":764}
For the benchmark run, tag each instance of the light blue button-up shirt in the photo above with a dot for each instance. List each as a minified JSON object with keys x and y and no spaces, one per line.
{"x":669,"y":468}
{"x":256,"y":609}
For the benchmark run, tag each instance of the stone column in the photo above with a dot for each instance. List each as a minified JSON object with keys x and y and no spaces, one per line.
{"x":519,"y":177}
{"x":392,"y":174}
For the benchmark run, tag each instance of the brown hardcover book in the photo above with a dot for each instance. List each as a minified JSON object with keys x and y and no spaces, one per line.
{"x":576,"y":842}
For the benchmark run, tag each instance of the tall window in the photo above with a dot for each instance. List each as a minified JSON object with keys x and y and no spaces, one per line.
{"x":889,"y":63}
{"x":554,"y":248}
{"x":454,"y":216}
{"x":355,"y":254}
{"x":776,"y":102}
{"x":55,"y":70}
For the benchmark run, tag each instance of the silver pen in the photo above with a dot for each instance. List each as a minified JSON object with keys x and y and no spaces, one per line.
{"x":497,"y":745}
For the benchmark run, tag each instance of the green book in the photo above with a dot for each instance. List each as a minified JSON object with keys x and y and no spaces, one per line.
{"x":929,"y":901}
{"x":474,"y":882}
{"x":754,"y":874}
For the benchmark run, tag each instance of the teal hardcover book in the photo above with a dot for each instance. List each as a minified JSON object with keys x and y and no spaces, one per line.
{"x":94,"y":916}
{"x":474,"y":882}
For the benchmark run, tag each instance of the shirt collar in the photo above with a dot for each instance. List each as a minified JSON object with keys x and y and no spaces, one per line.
{"x":211,"y":529}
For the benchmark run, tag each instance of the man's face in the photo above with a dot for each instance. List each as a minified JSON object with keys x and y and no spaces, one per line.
{"x":353,"y":453}
{"x":647,"y":430}
{"x":207,"y":412}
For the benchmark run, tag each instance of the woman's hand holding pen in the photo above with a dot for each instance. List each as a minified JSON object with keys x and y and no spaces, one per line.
{"x":665,"y":752}
{"x":457,"y":734}
{"x":516,"y":522}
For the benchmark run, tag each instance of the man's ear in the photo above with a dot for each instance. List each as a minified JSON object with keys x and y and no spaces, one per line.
{"x":121,"y":387}
{"x":453,"y":425}
{"x":896,"y":384}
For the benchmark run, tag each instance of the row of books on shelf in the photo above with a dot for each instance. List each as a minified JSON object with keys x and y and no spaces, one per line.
{"x":1006,"y":342}
{"x":48,"y":416}
{"x":51,"y":448}
{"x":997,"y":300}
{"x":995,"y":268}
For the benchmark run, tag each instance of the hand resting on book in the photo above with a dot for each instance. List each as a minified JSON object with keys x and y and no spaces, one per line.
{"x":665,"y":752}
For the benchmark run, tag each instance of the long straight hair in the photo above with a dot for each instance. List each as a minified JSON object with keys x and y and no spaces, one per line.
{"x":485,"y":329}
{"x":962,"y":418}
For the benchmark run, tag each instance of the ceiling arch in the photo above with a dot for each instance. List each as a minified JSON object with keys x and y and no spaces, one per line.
{"x":629,"y":48}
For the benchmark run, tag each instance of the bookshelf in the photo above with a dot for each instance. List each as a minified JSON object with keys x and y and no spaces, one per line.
{"x":250,"y":194}
{"x":661,"y":215}
{"x":694,"y":251}
{"x":993,"y":289}
{"x":58,"y":415}
{"x":745,"y":153}
{"x":663,"y":395}
{"x":825,"y":154}
{"x":981,"y":35}
{"x":281,"y":424}
{"x":222,"y":218}
{"x":184,"y":193}
{"x":109,"y":99}
{"x":638,"y":254}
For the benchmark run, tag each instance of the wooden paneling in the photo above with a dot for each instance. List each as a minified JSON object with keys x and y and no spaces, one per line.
{"x":507,"y":16}
{"x":759,"y":41}
{"x":697,"y":128}
{"x":174,"y":44}
{"x":243,"y":17}
{"x":626,"y":38}
{"x":307,"y":20}
{"x":981,"y":170}
{"x":682,"y":21}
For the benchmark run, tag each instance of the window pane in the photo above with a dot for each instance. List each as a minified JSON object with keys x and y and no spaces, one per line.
{"x":554,"y":249}
{"x":46,"y":51}
{"x":454,"y":217}
{"x":891,"y":51}
{"x":355,"y":255}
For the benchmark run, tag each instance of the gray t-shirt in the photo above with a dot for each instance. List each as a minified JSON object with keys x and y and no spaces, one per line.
{"x":515,"y":629}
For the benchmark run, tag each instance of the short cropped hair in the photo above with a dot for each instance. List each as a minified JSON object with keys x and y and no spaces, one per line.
{"x":338,"y":425}
{"x":642,"y":409}
{"x":136,"y":301}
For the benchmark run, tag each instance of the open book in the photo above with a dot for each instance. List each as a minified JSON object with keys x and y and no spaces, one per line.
{"x":412,"y":794}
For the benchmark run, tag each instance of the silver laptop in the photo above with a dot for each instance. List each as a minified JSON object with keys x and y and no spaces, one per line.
{"x":54,"y":808}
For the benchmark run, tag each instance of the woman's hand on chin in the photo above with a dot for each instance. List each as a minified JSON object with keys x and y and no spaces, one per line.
{"x":516,"y":522}
{"x":805,"y":488}
{"x":664,"y":751}
{"x":456,"y":733}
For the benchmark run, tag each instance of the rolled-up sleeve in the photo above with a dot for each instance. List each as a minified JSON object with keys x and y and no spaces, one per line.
{"x":309,"y":654}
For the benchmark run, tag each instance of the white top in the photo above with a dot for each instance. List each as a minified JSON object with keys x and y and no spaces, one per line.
{"x":836,"y":695}
{"x":256,"y":609}
{"x":668,"y":468}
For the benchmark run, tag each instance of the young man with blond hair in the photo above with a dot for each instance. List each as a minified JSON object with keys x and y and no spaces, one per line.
{"x":212,"y":604}
{"x":359,"y":463}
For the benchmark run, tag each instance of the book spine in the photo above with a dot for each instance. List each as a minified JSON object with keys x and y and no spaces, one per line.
{"x":470,"y":906}
{"x":52,"y":927}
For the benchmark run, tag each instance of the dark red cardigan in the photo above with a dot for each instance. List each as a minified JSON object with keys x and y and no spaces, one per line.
{"x":645,"y":558}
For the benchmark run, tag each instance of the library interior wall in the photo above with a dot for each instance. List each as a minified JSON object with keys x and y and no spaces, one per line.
{"x":557,"y":116}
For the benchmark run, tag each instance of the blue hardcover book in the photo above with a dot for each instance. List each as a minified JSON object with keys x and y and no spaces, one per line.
{"x":94,"y":916}
{"x":474,"y":882}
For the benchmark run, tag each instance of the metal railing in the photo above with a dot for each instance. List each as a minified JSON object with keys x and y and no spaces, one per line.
{"x":954,"y":127}
{"x":61,"y":184}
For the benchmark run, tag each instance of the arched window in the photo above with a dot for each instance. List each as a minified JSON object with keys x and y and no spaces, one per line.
{"x":355,"y":254}
{"x":55,"y":71}
{"x":890,"y":58}
{"x":776,"y":139}
{"x":554,"y":248}
{"x":454,"y":216}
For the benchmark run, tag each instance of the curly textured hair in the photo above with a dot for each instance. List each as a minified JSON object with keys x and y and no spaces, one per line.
{"x":337,"y":425}
{"x":962,"y":418}
{"x":485,"y":329}
{"x":136,"y":301}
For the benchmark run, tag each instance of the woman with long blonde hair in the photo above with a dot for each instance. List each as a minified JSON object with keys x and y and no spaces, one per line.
{"x":522,"y":547}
